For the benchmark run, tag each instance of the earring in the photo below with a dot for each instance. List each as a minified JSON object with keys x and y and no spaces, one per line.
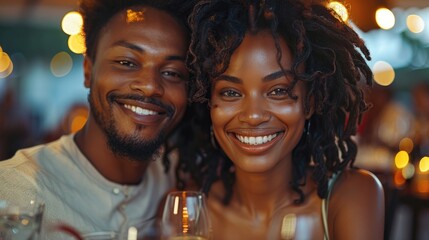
{"x":307,"y":128}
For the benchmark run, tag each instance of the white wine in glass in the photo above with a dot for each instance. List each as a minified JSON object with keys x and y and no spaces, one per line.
{"x":185,"y":216}
{"x":20,"y":221}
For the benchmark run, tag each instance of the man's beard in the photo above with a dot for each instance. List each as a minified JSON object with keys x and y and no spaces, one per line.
{"x":134,"y":146}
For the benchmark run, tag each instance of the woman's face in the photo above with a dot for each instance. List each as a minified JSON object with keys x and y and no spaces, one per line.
{"x":255,"y":120}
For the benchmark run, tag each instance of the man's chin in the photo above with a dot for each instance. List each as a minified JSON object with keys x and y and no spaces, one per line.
{"x":136,"y":149}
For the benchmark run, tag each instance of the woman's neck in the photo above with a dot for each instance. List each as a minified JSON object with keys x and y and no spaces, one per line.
{"x":260,"y":194}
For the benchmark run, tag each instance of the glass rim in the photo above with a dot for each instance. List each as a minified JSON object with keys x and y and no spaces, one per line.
{"x":186,"y":192}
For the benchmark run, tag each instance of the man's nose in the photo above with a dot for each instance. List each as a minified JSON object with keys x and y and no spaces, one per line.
{"x":149,"y":83}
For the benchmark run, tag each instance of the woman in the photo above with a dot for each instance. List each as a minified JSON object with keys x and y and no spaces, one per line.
{"x":281,"y":79}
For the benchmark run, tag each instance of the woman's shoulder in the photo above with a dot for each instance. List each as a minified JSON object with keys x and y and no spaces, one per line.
{"x":357,"y":196}
{"x":353,"y":178}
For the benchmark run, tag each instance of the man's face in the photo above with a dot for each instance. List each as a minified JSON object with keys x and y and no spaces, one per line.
{"x":138,"y":80}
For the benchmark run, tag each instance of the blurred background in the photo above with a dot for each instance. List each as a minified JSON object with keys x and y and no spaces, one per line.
{"x":42,"y":94}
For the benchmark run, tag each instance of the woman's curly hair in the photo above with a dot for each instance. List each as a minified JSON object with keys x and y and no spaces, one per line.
{"x":334,"y":57}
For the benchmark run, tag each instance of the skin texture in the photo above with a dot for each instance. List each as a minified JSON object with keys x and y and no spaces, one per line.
{"x":139,"y":62}
{"x":250,"y":99}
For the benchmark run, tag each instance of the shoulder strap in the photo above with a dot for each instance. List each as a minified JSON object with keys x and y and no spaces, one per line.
{"x":325,"y":204}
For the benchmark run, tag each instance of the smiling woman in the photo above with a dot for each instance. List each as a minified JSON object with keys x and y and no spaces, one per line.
{"x":281,"y":80}
{"x":258,"y":115}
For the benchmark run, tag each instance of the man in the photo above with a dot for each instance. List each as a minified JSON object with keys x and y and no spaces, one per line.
{"x":110,"y":175}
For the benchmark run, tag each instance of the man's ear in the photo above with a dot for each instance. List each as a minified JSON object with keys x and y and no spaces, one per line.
{"x":87,"y":71}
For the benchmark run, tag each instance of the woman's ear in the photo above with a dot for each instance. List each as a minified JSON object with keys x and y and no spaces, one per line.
{"x":310,"y":108}
{"x":87,"y":71}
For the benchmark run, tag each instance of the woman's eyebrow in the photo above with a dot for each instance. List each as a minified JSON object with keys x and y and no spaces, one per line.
{"x":269,"y":77}
{"x":273,"y":76}
{"x":228,"y":78}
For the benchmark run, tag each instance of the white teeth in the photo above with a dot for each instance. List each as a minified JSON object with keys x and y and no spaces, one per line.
{"x":256,"y":140}
{"x":139,"y":110}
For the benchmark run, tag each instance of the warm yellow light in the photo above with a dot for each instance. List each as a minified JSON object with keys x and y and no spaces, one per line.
{"x":385,"y":18}
{"x":384,"y":74}
{"x":424,"y":164}
{"x":4,"y":61}
{"x":340,"y":9}
{"x":398,"y":179}
{"x":135,"y":16}
{"x":6,"y":65}
{"x":423,"y":186}
{"x":8,"y":71}
{"x":406,"y":144}
{"x":76,"y":43}
{"x":61,"y":64}
{"x":401,"y":159}
{"x":415,"y":23}
{"x":72,"y":23}
{"x":77,"y":123}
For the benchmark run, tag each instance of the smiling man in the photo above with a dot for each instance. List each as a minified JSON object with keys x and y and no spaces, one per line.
{"x":110,"y":175}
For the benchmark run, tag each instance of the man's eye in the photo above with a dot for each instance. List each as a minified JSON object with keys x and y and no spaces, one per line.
{"x":172,"y":74}
{"x":126,"y":63}
{"x":230,"y":93}
{"x":175,"y":76}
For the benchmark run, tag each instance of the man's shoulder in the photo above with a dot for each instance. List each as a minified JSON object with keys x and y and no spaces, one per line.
{"x":28,"y":159}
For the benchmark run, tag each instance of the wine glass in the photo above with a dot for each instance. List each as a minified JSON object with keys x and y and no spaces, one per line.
{"x":185,"y":216}
{"x":20,"y":221}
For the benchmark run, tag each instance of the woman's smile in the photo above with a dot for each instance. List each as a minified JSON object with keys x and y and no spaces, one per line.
{"x":255,"y":143}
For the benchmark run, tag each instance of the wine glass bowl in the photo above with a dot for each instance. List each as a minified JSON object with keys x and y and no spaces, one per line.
{"x":185,"y":216}
{"x":20,"y":221}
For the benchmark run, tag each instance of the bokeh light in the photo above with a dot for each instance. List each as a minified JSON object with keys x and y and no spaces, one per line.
{"x":415,"y":23}
{"x":6,"y":65}
{"x":398,"y":179}
{"x":4,"y":61}
{"x":76,"y":43}
{"x":401,"y":159}
{"x":408,"y":171}
{"x":424,"y":164}
{"x":61,"y":64}
{"x":406,"y":144}
{"x":385,"y":18}
{"x":72,"y":23}
{"x":340,"y":9}
{"x":384,"y":74}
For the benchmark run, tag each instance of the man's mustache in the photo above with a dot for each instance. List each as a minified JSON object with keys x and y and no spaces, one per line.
{"x":168,"y":108}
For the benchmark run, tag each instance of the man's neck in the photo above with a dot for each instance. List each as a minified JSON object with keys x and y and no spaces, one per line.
{"x":92,"y":142}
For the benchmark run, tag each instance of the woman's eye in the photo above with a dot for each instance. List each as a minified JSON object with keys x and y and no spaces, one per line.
{"x":230,"y":93}
{"x":278,"y":92}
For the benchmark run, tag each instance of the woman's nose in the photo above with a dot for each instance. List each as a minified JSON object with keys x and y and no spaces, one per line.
{"x":254,"y":112}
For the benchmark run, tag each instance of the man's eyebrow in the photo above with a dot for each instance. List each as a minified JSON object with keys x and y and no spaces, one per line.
{"x":228,"y":78}
{"x":141,"y":50}
{"x":129,"y":45}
